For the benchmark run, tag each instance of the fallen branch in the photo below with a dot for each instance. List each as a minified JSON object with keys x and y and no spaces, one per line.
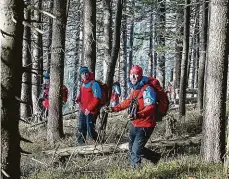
{"x":24,"y":121}
{"x":21,"y":101}
{"x":29,"y":25}
{"x":34,"y":28}
{"x":177,"y":106}
{"x":87,"y":149}
{"x":24,"y":152}
{"x":109,"y":148}
{"x":41,"y":11}
{"x":4,"y":173}
{"x":70,"y":113}
{"x":39,"y":161}
{"x":25,"y":140}
{"x":39,"y":123}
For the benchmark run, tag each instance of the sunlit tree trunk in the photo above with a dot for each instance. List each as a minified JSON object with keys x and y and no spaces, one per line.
{"x":203,"y":50}
{"x":131,"y":40}
{"x":114,"y":57}
{"x":161,"y":42}
{"x":107,"y":33}
{"x":26,"y":95}
{"x":178,"y":49}
{"x":213,"y":143}
{"x":49,"y":43}
{"x":184,"y":62}
{"x":76,"y":75}
{"x":89,"y":30}
{"x":124,"y":42}
{"x":36,"y":60}
{"x":11,"y":15}
{"x":150,"y":67}
{"x":55,"y":123}
{"x":195,"y":46}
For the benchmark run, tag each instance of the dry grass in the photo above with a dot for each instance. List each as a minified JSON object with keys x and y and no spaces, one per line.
{"x":181,"y":162}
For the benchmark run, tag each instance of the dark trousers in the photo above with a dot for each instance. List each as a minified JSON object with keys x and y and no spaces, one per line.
{"x":137,"y":139}
{"x":86,"y":125}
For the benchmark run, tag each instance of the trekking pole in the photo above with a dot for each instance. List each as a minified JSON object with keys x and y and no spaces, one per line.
{"x":121,"y":135}
{"x":101,"y":126}
{"x":70,"y":113}
{"x":119,"y":138}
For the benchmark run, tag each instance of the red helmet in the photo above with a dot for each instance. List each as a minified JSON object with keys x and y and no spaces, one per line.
{"x":137,"y":70}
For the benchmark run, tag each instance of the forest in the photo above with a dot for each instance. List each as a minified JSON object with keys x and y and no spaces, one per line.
{"x":50,"y":48}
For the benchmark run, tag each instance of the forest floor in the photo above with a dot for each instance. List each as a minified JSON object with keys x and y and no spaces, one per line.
{"x":175,"y":156}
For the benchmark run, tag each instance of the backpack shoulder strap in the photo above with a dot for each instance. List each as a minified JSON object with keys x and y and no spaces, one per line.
{"x":92,"y":82}
{"x":138,"y":94}
{"x":144,"y":87}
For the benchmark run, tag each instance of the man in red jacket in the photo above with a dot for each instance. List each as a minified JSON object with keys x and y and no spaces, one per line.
{"x":88,"y":99}
{"x":142,"y":105}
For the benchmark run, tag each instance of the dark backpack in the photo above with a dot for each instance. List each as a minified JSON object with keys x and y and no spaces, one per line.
{"x":105,"y":93}
{"x":162,"y":105}
{"x":162,"y":99}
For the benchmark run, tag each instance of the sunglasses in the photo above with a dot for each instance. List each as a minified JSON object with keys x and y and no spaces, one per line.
{"x":134,"y":76}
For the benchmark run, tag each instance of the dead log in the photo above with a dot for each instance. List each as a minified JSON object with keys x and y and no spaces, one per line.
{"x":188,"y":90}
{"x":188,"y":100}
{"x":175,"y":107}
{"x":109,"y":148}
{"x":86,"y":149}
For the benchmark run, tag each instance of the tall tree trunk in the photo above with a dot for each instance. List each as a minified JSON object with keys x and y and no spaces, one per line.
{"x":124,"y":63}
{"x":178,"y":51}
{"x":155,"y":44}
{"x":203,"y":50}
{"x":226,"y":163}
{"x":114,"y":56}
{"x":189,"y":63}
{"x":196,"y":57}
{"x":115,"y":45}
{"x":228,"y":85}
{"x":36,"y":61}
{"x":161,"y":43}
{"x":150,"y":67}
{"x":81,"y":60}
{"x":154,"y":57}
{"x":77,"y":54}
{"x":89,"y":30}
{"x":55,"y":123}
{"x":49,"y":42}
{"x":197,"y":42}
{"x":107,"y":33}
{"x":131,"y":40}
{"x":184,"y":63}
{"x":213,"y":143}
{"x":40,"y":42}
{"x":26,"y":95}
{"x":194,"y":47}
{"x":11,"y":64}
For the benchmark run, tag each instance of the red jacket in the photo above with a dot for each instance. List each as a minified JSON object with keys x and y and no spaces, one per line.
{"x":46,"y":100}
{"x":146,"y":114}
{"x":87,"y":100}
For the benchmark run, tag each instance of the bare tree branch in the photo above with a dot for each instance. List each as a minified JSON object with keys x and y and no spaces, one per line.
{"x":41,"y":11}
